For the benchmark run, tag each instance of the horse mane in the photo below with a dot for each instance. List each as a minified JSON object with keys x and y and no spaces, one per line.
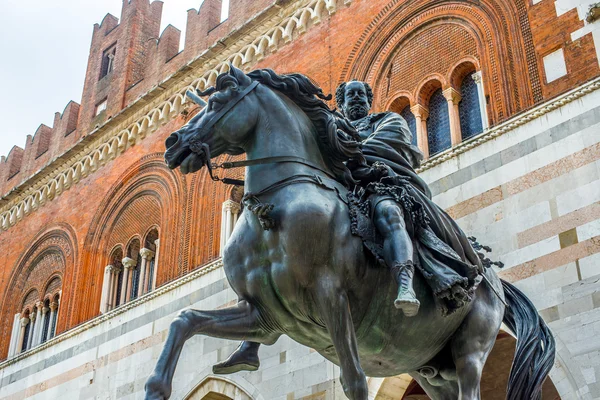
{"x":338,"y":139}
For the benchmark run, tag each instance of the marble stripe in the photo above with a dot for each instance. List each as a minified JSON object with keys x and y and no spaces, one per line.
{"x":515,"y":152}
{"x":527,"y":181}
{"x":118,"y":331}
{"x":553,"y":260}
{"x":559,"y":225}
{"x":91,"y":366}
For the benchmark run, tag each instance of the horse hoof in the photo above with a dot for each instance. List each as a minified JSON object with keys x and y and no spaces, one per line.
{"x":410,"y":308}
{"x":231,"y":366}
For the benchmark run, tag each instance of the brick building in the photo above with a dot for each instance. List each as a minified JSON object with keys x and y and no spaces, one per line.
{"x":102,"y":244}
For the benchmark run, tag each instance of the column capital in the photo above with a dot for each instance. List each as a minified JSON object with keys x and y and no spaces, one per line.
{"x":419,"y":111}
{"x":53,"y":306}
{"x":24,"y":321}
{"x":129,"y":263}
{"x":477,"y":77}
{"x":146,"y":254}
{"x":452,"y":95}
{"x":109,"y":268}
{"x":38,"y":304}
{"x":45,"y":310}
{"x":32,"y":316}
{"x":230,"y":205}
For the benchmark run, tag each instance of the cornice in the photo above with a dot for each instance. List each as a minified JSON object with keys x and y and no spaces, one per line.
{"x":263,"y":34}
{"x":117,"y":311}
{"x":512,"y":124}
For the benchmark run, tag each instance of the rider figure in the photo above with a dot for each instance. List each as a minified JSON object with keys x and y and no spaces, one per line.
{"x":414,"y":231}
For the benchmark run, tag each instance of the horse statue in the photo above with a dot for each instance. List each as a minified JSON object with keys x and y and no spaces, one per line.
{"x":298,"y":270}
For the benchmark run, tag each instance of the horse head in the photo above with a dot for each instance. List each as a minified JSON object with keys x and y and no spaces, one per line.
{"x":216,"y":129}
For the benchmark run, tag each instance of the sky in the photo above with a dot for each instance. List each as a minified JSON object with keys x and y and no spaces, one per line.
{"x":44,"y":48}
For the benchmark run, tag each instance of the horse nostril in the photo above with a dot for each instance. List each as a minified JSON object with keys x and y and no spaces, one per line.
{"x":172,"y":140}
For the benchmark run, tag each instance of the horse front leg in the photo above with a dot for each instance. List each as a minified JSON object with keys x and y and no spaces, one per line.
{"x":333,"y":302}
{"x":240,"y":322}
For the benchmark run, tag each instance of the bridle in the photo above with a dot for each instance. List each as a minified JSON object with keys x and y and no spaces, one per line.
{"x":203,"y":149}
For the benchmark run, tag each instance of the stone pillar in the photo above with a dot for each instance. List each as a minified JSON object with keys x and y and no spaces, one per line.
{"x":22,"y":325}
{"x":421,"y":114}
{"x":31,"y":329}
{"x":14,"y":335}
{"x":114,"y":287}
{"x":478,"y":78}
{"x":106,"y":287}
{"x":156,"y":259}
{"x":147,"y":256}
{"x":45,"y":316}
{"x":58,"y":300}
{"x":52,"y":326}
{"x":230,"y":212}
{"x":39,"y":326}
{"x":454,"y":98}
{"x":128,"y":264}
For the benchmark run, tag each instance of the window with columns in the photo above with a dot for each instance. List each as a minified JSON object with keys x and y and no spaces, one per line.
{"x":438,"y":123}
{"x":471,"y":115}
{"x":128,"y":277}
{"x":36,"y":324}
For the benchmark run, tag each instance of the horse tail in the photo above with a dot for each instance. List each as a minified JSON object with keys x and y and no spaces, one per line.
{"x":534,"y":354}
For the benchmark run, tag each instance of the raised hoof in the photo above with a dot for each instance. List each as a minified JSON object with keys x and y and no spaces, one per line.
{"x":232,"y":366}
{"x":410,"y":307}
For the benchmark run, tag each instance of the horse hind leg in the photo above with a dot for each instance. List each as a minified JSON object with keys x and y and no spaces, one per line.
{"x":441,"y":390}
{"x":474,"y":340}
{"x":240,"y":322}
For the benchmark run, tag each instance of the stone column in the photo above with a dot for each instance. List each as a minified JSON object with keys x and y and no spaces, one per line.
{"x":58,"y":309}
{"x":52,"y":326}
{"x":23,"y":324}
{"x":147,"y":256}
{"x":114,"y":287}
{"x":230,"y":212}
{"x":453,"y":98}
{"x":106,"y":286}
{"x":14,"y":335}
{"x":45,"y":316}
{"x":478,"y":78}
{"x":421,"y":114}
{"x":31,"y":329}
{"x":128,"y":264}
{"x":39,"y":326}
{"x":156,"y":259}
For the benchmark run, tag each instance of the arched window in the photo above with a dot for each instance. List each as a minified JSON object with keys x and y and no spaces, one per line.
{"x":469,"y":108}
{"x":407,"y":114}
{"x":45,"y":321}
{"x":133,"y":253}
{"x":438,"y":124}
{"x":151,"y":244}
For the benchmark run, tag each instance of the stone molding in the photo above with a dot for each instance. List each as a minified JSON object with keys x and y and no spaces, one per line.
{"x":117,"y":311}
{"x":512,"y":124}
{"x":165,"y":101}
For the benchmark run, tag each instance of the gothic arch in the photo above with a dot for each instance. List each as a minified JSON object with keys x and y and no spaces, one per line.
{"x":51,"y":254}
{"x":148,"y":194}
{"x":213,"y":388}
{"x":505,"y":54}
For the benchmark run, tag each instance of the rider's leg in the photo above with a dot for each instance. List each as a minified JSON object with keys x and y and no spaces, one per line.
{"x":397,"y":252}
{"x":244,"y":358}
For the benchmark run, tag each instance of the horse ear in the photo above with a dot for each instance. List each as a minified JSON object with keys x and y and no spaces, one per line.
{"x":238,"y":74}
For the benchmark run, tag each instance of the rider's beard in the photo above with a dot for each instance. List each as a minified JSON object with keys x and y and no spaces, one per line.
{"x":357,"y":111}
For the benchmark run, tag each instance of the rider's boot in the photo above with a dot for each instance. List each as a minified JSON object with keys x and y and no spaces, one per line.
{"x":407,"y":299}
{"x":244,"y":358}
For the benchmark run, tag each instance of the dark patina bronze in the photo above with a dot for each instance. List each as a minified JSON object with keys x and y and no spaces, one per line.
{"x":299,"y":270}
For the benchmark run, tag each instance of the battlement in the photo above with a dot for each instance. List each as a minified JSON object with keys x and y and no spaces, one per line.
{"x":128,"y":57}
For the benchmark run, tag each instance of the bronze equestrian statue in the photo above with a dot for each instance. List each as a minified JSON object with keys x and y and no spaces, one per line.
{"x":332,"y":208}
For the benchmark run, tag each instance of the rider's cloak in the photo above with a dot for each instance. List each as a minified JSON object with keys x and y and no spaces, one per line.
{"x":445,"y":256}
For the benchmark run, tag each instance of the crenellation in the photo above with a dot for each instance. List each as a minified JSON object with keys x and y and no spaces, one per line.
{"x":109,"y":22}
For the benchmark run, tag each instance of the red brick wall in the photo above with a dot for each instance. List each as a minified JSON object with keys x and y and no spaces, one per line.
{"x":382,"y":41}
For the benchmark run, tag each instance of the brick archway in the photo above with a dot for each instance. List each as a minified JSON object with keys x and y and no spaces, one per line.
{"x":51,"y":255}
{"x":213,"y":388}
{"x":505,"y":55}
